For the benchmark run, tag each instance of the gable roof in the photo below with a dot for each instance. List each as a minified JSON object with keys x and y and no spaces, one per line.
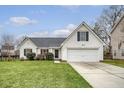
{"x":58,"y":42}
{"x":88,"y":27}
{"x":117,"y":23}
{"x":47,"y":42}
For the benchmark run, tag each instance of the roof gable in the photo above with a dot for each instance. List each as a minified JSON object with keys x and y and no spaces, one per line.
{"x":84,"y":24}
{"x":117,"y":23}
{"x":23,"y":42}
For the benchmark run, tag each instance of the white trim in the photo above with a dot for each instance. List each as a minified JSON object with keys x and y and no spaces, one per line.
{"x":87,"y":48}
{"x":50,"y":47}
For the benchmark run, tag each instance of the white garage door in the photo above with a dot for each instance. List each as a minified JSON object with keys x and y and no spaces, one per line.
{"x":82,"y":55}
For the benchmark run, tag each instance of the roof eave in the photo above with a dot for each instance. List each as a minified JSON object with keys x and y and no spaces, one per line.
{"x":83,"y":23}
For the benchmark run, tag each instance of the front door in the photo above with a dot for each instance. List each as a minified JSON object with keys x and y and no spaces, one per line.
{"x":56,"y":53}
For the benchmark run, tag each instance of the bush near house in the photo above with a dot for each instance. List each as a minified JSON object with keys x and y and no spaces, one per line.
{"x":49,"y":56}
{"x":39,"y":57}
{"x":31,"y":56}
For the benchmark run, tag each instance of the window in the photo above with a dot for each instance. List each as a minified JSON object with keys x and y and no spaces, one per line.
{"x":122,"y":53}
{"x":120,"y":44}
{"x":82,"y":36}
{"x":44,"y":51}
{"x":26,"y":51}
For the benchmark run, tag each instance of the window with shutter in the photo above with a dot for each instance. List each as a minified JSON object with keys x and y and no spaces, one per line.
{"x":78,"y":36}
{"x":82,"y":36}
{"x":26,"y":51}
{"x":87,"y":36}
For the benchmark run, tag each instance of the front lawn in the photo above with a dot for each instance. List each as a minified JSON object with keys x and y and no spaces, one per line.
{"x":119,"y":63}
{"x":36,"y":74}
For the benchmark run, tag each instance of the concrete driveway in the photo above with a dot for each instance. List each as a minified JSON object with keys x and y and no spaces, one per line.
{"x":101,"y":75}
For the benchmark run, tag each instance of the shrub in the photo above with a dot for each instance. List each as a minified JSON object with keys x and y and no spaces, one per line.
{"x":49,"y":56}
{"x":31,"y":56}
{"x":39,"y":57}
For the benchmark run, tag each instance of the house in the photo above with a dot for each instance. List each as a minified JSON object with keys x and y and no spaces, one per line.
{"x":7,"y":49}
{"x":82,"y":45}
{"x":117,"y":39}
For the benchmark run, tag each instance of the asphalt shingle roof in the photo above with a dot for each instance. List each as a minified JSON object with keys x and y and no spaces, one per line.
{"x":47,"y":42}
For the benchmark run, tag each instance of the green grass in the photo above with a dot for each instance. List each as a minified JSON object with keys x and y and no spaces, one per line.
{"x":119,"y":63}
{"x":36,"y":74}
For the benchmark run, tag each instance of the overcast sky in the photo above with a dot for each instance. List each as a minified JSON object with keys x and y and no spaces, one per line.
{"x":42,"y":21}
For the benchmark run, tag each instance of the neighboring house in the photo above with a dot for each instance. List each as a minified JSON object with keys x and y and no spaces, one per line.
{"x":82,"y":45}
{"x":7,"y":49}
{"x":117,"y":39}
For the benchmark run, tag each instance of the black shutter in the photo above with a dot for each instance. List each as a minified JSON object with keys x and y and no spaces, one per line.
{"x":24,"y":52}
{"x":87,"y":36}
{"x":78,"y":36}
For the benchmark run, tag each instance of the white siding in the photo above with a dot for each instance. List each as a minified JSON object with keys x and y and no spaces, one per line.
{"x":27,"y":44}
{"x":117,"y":36}
{"x":73,"y":43}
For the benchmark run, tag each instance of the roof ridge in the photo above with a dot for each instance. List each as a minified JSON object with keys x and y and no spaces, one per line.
{"x":47,"y":37}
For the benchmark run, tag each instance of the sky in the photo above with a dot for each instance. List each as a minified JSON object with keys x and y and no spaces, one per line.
{"x":45,"y":21}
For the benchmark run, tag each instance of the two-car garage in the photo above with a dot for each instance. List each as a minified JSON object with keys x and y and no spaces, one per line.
{"x":83,"y":55}
{"x":82,"y":45}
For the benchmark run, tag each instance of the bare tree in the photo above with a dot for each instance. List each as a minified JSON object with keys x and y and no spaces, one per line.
{"x":108,"y":19}
{"x":19,"y":40}
{"x":7,"y":38}
{"x":7,"y":42}
{"x":110,"y":16}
